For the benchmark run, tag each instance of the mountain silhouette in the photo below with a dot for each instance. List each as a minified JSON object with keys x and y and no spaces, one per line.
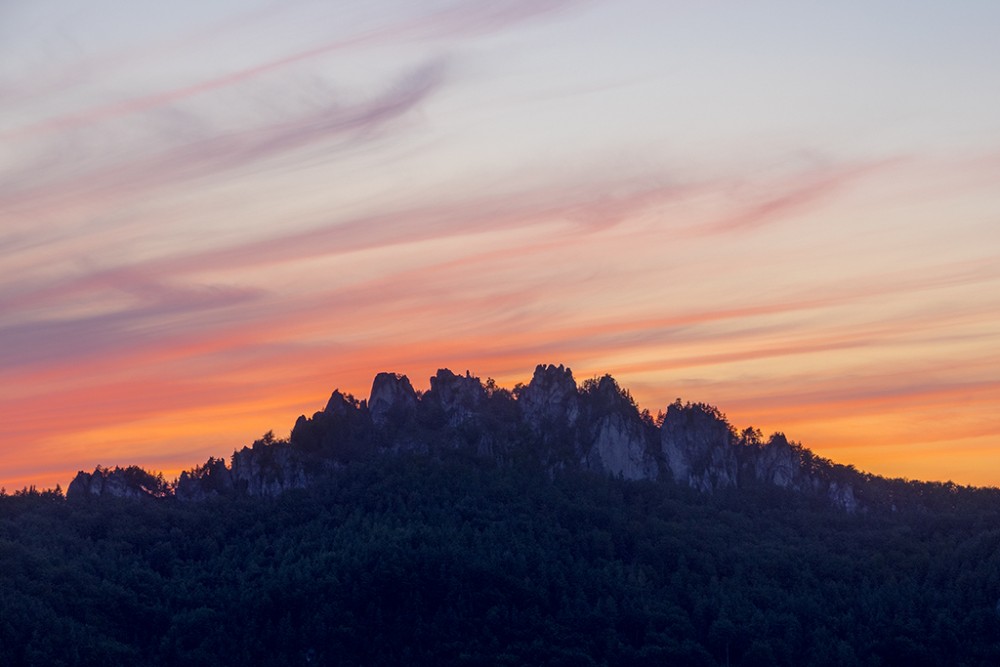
{"x":552,"y":422}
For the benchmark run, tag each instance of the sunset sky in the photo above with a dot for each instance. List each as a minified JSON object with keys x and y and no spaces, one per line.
{"x":212,"y":214}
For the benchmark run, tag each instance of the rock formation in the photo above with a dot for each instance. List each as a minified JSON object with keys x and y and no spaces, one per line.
{"x":551,"y":399}
{"x":617,"y":440}
{"x":268,"y":470}
{"x":211,"y":479}
{"x":130,"y":482}
{"x":460,"y":398}
{"x":698,"y":446}
{"x":790,"y":466}
{"x":551,"y":420}
{"x":392,"y":399}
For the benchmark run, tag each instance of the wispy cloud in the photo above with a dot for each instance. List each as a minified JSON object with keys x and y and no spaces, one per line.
{"x":84,"y":70}
{"x":66,"y":339}
{"x":586,"y":210}
{"x":217,"y":154}
{"x":201,"y":238}
{"x":465,"y":18}
{"x":159,"y":288}
{"x":799,"y":195}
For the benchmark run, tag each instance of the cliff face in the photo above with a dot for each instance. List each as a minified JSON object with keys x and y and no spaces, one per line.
{"x":459,"y":398}
{"x":268,"y":470}
{"x":790,"y":466}
{"x":130,"y":482}
{"x":211,"y":479}
{"x":550,"y":401}
{"x":702,"y":451}
{"x":392,"y":399}
{"x":616,"y":438}
{"x":596,"y":426}
{"x":699,"y":447}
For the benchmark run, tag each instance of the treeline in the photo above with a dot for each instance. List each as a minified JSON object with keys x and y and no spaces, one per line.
{"x":453,"y":560}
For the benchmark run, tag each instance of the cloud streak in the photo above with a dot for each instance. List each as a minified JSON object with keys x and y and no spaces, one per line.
{"x":222,"y":153}
{"x":83,"y":71}
{"x":466,"y":18}
{"x":62,"y":341}
{"x":800,"y":196}
{"x":200,"y":239}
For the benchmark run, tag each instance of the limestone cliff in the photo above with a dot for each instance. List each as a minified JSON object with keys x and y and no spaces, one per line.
{"x":698,"y":446}
{"x":392,"y":399}
{"x":551,"y":400}
{"x":616,"y":439}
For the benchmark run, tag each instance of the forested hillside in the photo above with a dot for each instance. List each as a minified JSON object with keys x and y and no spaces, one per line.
{"x":452,"y":559}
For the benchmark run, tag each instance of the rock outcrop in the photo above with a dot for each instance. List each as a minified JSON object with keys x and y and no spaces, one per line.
{"x":620,"y":448}
{"x":698,"y":446}
{"x":790,"y":466}
{"x":211,"y":479}
{"x":779,"y":463}
{"x":130,"y":482}
{"x":619,"y":441}
{"x":268,"y":470}
{"x":551,"y":421}
{"x":392,"y":399}
{"x":550,"y":400}
{"x":460,"y":398}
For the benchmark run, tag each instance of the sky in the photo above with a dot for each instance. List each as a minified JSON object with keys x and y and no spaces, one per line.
{"x":213,"y":214}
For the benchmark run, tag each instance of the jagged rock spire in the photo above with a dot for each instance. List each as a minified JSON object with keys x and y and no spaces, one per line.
{"x":551,"y":421}
{"x":392,"y":397}
{"x":698,"y":447}
{"x":551,"y":397}
{"x":459,"y":397}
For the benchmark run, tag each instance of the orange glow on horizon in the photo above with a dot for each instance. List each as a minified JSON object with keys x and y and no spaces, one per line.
{"x":875,"y":434}
{"x":208,"y":224}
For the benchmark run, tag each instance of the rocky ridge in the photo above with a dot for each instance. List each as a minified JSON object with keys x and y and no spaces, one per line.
{"x":593,"y":426}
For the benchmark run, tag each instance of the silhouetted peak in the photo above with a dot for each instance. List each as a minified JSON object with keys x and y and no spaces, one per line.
{"x":698,"y":446}
{"x":604,"y":396}
{"x":550,"y":374}
{"x":697,"y":424}
{"x":130,"y":482}
{"x":778,"y":462}
{"x":459,"y":396}
{"x":339,"y":404}
{"x":449,"y":388}
{"x":551,"y":397}
{"x":615,"y":437}
{"x":392,"y":396}
{"x":778,"y":440}
{"x":211,"y":479}
{"x":791,"y":466}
